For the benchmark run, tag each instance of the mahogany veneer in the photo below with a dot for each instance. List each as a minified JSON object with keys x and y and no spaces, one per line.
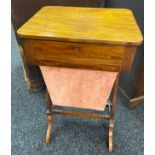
{"x":85,"y":38}
{"x":77,"y":37}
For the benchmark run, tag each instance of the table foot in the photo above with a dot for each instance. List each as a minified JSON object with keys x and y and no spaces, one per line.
{"x":49,"y":128}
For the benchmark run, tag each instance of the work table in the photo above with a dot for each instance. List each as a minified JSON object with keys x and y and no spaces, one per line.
{"x":91,"y":38}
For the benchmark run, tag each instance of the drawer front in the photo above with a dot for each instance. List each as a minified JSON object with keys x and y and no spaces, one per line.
{"x":72,"y":54}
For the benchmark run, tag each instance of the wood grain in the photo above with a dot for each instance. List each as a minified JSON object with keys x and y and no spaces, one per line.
{"x":49,"y":129}
{"x":136,"y":101}
{"x":78,"y":55}
{"x":91,"y":38}
{"x":77,"y":24}
{"x":81,"y":114}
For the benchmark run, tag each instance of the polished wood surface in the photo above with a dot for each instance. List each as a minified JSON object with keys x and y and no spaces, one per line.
{"x":52,"y":38}
{"x":90,"y":38}
{"x":49,"y":111}
{"x":21,"y":11}
{"x":77,"y":55}
{"x":136,"y":101}
{"x":77,"y":24}
{"x":81,"y":114}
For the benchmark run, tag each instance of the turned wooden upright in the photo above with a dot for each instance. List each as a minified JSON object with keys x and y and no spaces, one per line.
{"x":85,"y":38}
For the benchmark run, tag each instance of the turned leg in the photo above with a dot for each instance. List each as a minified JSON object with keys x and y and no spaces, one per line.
{"x":49,"y":128}
{"x":112,"y":114}
{"x":49,"y":107}
{"x":110,"y":139}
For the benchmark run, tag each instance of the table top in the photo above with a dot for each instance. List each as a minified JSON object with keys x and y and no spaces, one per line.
{"x":77,"y":24}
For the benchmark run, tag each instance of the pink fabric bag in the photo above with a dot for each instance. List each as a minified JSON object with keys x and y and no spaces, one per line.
{"x":78,"y":88}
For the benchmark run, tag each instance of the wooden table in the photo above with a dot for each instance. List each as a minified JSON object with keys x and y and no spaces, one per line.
{"x":86,"y":38}
{"x":81,"y":37}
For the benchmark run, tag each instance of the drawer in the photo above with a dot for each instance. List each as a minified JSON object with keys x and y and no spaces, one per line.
{"x":43,"y":52}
